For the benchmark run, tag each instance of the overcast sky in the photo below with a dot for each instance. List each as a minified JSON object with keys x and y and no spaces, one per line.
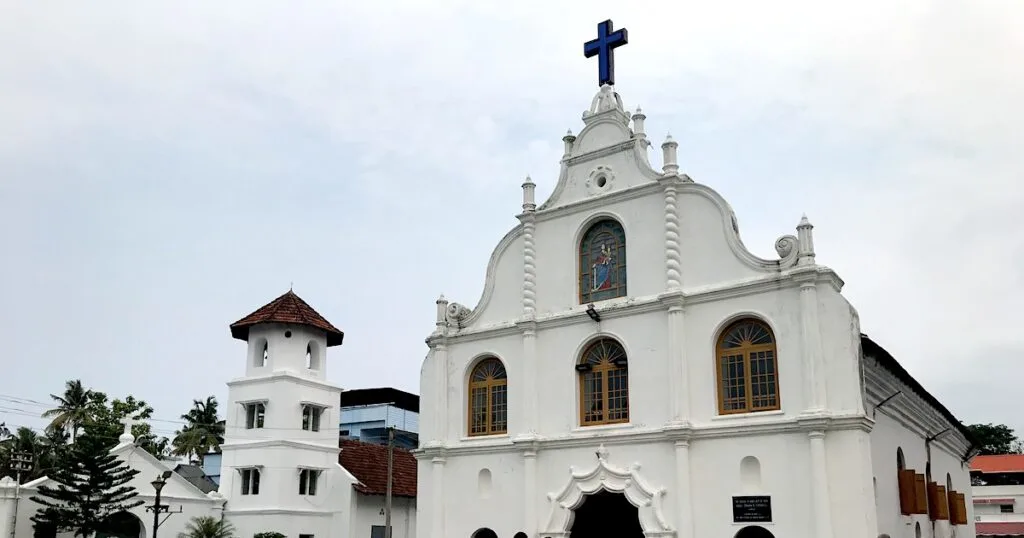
{"x":168,"y":167}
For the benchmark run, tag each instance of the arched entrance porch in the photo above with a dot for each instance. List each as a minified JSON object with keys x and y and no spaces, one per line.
{"x":122,"y":525}
{"x":606,"y":514}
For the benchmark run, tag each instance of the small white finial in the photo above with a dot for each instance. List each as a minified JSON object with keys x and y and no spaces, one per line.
{"x":569,"y":138}
{"x":639,"y":110}
{"x":670,"y":166}
{"x":805,"y":242}
{"x":441,"y":299}
{"x":602,"y":452}
{"x":529,"y":204}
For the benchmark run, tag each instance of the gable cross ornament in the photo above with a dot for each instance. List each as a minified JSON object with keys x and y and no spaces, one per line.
{"x":604,"y":48}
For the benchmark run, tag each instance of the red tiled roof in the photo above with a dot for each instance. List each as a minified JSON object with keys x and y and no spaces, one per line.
{"x":288,"y":308}
{"x":369,"y":464}
{"x":999,"y":528}
{"x":1000,"y":463}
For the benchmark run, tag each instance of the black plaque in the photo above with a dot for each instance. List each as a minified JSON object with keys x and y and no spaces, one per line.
{"x":752,"y":509}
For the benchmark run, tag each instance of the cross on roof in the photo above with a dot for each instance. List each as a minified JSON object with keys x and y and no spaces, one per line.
{"x":604,"y":48}
{"x":128,"y":423}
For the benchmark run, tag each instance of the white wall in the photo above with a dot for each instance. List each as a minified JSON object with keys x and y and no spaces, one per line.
{"x":369,"y":512}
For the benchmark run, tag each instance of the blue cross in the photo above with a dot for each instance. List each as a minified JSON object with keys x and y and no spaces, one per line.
{"x":604,"y":48}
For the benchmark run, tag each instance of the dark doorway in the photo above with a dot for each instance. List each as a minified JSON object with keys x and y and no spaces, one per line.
{"x":485,"y":533}
{"x":754,"y":532}
{"x":121,"y":525}
{"x":606,"y":514}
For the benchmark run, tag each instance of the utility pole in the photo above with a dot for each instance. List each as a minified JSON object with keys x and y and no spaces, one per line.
{"x":387,"y":495}
{"x":22,"y":462}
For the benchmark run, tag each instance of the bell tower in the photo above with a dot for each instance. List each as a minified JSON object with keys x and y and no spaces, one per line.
{"x":280,"y":450}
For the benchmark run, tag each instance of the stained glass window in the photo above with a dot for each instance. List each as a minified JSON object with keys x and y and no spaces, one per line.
{"x":747,"y":368}
{"x":604,"y":383}
{"x":602,"y":259}
{"x":488,"y":398}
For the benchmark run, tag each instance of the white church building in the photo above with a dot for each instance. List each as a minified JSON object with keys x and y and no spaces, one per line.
{"x":631,"y":369}
{"x":281,"y":455}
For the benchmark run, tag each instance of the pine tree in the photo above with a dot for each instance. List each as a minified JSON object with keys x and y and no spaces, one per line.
{"x":91,"y":487}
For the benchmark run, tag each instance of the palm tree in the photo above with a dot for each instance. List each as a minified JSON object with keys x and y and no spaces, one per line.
{"x":208,"y":527}
{"x":202,"y":433}
{"x":73,"y":408}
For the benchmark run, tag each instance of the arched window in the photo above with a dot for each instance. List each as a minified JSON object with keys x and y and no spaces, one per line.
{"x":604,"y":383}
{"x":266,"y":355}
{"x":488,"y":398}
{"x":901,"y":462}
{"x":602,"y":259}
{"x":747,"y":368}
{"x":309,"y":356}
{"x":484,"y":533}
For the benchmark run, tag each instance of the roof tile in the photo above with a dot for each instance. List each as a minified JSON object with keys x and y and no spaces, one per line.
{"x":998,"y":463}
{"x":288,"y":308}
{"x":369,"y":464}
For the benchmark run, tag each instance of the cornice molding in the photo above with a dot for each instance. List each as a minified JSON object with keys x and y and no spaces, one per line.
{"x":746,"y":427}
{"x":626,"y":306}
{"x":910,"y":410}
{"x":283,"y":375}
{"x":279,"y":443}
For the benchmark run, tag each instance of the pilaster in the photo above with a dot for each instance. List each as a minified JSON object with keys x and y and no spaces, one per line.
{"x":814,"y":369}
{"x":437,"y":529}
{"x":440,"y":358}
{"x":528,"y":418}
{"x":819,"y":480}
{"x":530,"y":490}
{"x":684,"y":497}
{"x":677,"y":371}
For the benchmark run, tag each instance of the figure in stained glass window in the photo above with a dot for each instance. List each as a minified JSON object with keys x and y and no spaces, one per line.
{"x":602,"y":262}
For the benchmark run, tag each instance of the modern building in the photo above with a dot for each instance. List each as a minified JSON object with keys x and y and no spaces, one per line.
{"x":998,"y":491}
{"x":366,"y":415}
{"x":633,"y":370}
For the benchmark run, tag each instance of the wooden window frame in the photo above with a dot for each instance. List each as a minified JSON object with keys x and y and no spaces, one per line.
{"x":488,"y":385}
{"x":920,"y":494}
{"x":938,"y":506}
{"x":583,"y":270}
{"x":907,"y":492}
{"x":604,"y":366}
{"x":746,"y":350}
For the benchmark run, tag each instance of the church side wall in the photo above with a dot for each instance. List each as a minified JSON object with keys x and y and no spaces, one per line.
{"x":902,"y":425}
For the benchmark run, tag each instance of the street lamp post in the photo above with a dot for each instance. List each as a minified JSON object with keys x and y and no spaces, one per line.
{"x":158,"y":485}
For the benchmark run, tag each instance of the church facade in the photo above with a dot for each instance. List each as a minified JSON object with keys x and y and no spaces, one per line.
{"x":631,"y":369}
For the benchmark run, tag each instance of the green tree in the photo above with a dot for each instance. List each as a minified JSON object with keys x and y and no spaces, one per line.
{"x":269,"y":534}
{"x":73,"y":408}
{"x":92,"y":485}
{"x":26,"y":441}
{"x":202,"y":432}
{"x":995,"y":438}
{"x":208,"y":527}
{"x":108,"y":421}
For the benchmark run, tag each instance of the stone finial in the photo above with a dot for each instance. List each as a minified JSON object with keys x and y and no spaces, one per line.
{"x":668,"y":149}
{"x":442,"y":309}
{"x":529,"y":204}
{"x":805,"y":242}
{"x":568,"y":139}
{"x":638,"y":123}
